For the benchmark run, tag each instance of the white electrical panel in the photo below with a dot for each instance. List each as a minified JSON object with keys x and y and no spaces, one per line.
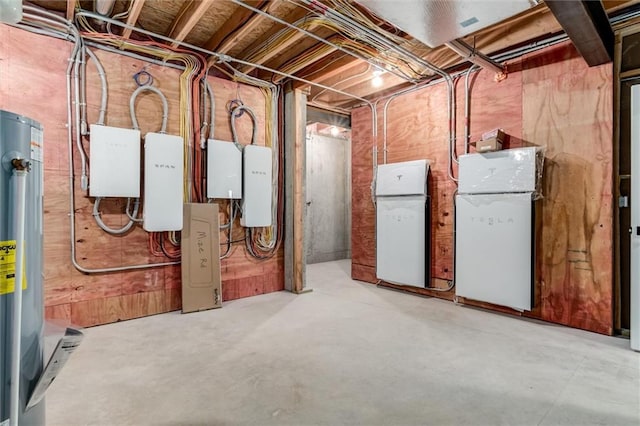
{"x":257,"y":186}
{"x":494,"y":255}
{"x":400,"y":240}
{"x":224,"y":170}
{"x":405,"y":178}
{"x":163,"y":182}
{"x":114,"y":162}
{"x":509,"y":170}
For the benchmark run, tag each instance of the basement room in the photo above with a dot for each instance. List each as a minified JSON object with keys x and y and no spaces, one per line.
{"x":319,"y":212}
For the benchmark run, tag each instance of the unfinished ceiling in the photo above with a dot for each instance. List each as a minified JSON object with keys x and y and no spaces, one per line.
{"x":336,"y":43}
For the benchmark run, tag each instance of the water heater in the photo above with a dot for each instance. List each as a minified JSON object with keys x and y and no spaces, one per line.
{"x":21,"y":148}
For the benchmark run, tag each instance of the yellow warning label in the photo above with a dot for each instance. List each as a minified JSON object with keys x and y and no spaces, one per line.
{"x":8,"y":268}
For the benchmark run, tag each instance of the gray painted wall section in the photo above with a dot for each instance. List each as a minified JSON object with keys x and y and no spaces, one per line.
{"x":328,"y":199}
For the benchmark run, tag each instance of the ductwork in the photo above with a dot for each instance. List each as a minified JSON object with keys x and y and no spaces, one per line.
{"x":473,"y":56}
{"x":103,"y":7}
{"x":435,"y":22}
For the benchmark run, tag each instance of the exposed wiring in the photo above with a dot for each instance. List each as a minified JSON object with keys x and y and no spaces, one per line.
{"x":143,"y":78}
{"x":115,"y":231}
{"x":165,"y":106}
{"x":237,"y":112}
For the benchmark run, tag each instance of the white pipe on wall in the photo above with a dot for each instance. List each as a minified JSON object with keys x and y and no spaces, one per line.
{"x":19,"y":179}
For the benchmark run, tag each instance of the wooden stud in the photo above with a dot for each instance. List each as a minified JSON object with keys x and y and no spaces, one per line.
{"x":617,"y":256}
{"x":295,"y":130}
{"x":134,"y":13}
{"x":187,"y":18}
{"x":71,"y":9}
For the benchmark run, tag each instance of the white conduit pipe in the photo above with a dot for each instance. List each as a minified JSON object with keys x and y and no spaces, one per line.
{"x":19,"y":179}
{"x":77,"y":59}
{"x":212,"y":99}
{"x":232,"y":119}
{"x":165,"y":106}
{"x":74,"y":37}
{"x":103,"y":86}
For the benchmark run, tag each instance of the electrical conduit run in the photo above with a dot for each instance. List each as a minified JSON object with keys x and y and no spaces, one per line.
{"x":19,"y":178}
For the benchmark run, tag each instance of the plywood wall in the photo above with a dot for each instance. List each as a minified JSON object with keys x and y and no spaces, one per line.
{"x":550,"y":99}
{"x":32,"y":83}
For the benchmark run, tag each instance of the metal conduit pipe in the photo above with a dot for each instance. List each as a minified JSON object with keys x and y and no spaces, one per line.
{"x":320,"y":39}
{"x":165,"y":106}
{"x":227,"y":58}
{"x":343,"y":20}
{"x":103,"y":86}
{"x":356,"y":26}
{"x":74,"y":36}
{"x":470,"y":54}
{"x":219,"y":56}
{"x":467,"y":107}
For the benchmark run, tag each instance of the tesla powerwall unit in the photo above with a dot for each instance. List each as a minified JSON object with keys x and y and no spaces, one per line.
{"x":494,"y":248}
{"x":224,"y":170}
{"x":402,"y":231}
{"x":510,"y":170}
{"x":163,"y":182}
{"x":114,"y":162}
{"x":257,"y":186}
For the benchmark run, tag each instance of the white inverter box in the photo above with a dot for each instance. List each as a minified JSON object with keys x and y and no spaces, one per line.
{"x":163,"y":182}
{"x":224,"y":170}
{"x":114,"y":162}
{"x":257,"y":183}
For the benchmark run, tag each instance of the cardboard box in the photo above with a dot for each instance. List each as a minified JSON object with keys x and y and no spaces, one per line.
{"x":488,"y":145}
{"x":495,"y":133}
{"x":201,"y":281}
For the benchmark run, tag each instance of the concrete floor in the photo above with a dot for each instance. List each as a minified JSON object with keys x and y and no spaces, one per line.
{"x":347,"y":353}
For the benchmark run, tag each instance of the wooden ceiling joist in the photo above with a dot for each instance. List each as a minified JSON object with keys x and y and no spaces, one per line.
{"x":134,"y":13}
{"x":187,"y":18}
{"x":314,"y":54}
{"x":238,"y":18}
{"x":267,"y":54}
{"x":229,"y":39}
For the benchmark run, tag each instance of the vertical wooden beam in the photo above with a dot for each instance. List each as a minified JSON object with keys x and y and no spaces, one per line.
{"x":71,"y":9}
{"x":187,"y":18}
{"x":134,"y":13}
{"x":295,"y":134}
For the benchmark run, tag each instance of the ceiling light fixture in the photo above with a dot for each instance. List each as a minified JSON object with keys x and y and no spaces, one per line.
{"x":10,"y":11}
{"x":334,"y":131}
{"x":376,"y":81}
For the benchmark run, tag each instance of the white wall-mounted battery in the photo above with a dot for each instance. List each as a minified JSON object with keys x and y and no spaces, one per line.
{"x":224,"y":170}
{"x":114,"y":162}
{"x":163,"y":182}
{"x":257,"y":180}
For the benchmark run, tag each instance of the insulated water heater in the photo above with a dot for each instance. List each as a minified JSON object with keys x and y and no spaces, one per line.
{"x":21,"y":187}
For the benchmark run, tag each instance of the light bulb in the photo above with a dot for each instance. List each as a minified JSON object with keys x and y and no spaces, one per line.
{"x":376,"y":81}
{"x":11,"y":11}
{"x":334,"y":131}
